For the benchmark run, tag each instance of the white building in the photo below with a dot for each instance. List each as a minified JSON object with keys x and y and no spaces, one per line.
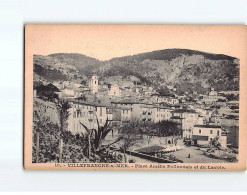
{"x":187,"y":119}
{"x":68,"y":93}
{"x":86,"y":113}
{"x":114,"y":91}
{"x":161,"y":113}
{"x":204,"y":134}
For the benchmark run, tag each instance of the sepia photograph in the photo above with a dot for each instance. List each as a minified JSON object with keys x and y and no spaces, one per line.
{"x":111,"y":96}
{"x":131,"y":97}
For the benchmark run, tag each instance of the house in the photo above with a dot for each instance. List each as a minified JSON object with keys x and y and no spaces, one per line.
{"x":134,"y":106}
{"x":216,"y":119}
{"x":87,"y":114}
{"x":114,"y":90}
{"x":172,"y":101}
{"x":68,"y":92}
{"x":157,"y":98}
{"x":187,"y":119}
{"x":204,"y":134}
{"x":205,"y":112}
{"x":162,"y":113}
{"x":212,"y":97}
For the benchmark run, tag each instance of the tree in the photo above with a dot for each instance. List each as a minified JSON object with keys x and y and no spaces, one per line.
{"x":48,"y":92}
{"x":131,"y":133}
{"x":40,"y":122}
{"x":98,"y":135}
{"x":215,"y":142}
{"x":163,"y":90}
{"x":63,"y":113}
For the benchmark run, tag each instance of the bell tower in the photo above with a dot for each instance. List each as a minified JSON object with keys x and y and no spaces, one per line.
{"x":94,"y":84}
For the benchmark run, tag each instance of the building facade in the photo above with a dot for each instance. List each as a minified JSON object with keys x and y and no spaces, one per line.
{"x":187,"y":119}
{"x":87,"y":114}
{"x":204,"y":134}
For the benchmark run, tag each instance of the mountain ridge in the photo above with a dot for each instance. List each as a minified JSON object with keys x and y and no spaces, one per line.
{"x":187,"y":70}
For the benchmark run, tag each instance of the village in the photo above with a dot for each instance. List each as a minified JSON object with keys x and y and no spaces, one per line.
{"x":154,"y":127}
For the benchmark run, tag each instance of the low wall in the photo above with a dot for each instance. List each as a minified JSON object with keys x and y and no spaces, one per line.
{"x":150,"y":157}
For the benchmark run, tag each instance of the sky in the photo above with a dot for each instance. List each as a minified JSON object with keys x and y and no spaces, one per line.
{"x":104,"y":42}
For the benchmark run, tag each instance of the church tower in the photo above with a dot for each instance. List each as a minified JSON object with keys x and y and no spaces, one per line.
{"x":94,"y":84}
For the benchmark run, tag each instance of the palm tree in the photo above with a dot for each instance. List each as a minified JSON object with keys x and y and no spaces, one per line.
{"x":63,"y":113}
{"x":99,"y":134}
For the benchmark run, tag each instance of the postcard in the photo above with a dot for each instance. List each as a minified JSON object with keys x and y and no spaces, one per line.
{"x":135,"y":97}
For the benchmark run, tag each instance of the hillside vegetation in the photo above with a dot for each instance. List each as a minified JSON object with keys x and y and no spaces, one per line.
{"x":187,"y":70}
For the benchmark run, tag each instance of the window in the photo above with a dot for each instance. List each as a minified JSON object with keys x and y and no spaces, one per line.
{"x":218,"y":132}
{"x":200,"y":131}
{"x":211,"y":131}
{"x":100,"y":111}
{"x":95,"y":82}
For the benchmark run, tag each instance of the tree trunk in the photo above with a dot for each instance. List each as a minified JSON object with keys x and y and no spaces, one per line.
{"x":37,"y":147}
{"x":89,"y":147}
{"x":60,"y":149}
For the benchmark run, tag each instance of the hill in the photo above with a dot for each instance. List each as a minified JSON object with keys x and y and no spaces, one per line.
{"x":83,"y":63}
{"x":169,"y":54}
{"x":186,"y":70}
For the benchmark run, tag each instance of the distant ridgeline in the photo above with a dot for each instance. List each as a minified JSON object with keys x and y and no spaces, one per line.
{"x":186,"y":70}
